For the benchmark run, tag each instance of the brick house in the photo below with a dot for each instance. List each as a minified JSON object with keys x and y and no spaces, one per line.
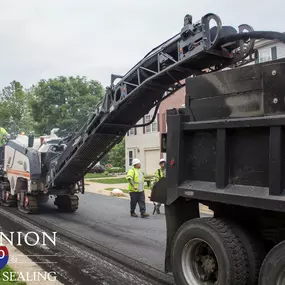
{"x":176,"y":100}
{"x":144,"y":143}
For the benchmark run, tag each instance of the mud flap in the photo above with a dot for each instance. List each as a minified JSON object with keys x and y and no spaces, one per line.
{"x":177,"y":214}
{"x":158,"y":192}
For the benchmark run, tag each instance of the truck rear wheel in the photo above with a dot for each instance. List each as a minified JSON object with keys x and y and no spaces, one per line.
{"x":255,"y":251}
{"x":273,"y":267}
{"x":208,"y":251}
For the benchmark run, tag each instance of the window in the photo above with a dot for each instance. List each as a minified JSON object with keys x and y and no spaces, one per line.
{"x":152,"y":127}
{"x":264,"y":55}
{"x":268,"y":54}
{"x":146,"y":120}
{"x":130,"y":157}
{"x":132,"y":132}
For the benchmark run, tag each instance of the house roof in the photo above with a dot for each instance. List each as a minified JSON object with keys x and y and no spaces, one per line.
{"x":262,"y":42}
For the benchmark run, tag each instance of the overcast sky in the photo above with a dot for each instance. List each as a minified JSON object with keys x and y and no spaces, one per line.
{"x":43,"y":39}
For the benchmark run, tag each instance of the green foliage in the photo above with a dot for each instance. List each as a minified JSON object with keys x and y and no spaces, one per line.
{"x":116,"y":170}
{"x":110,"y":180}
{"x":15,"y":115}
{"x":64,"y":102}
{"x":61,"y":102}
{"x":9,"y":282}
{"x":95,"y":175}
{"x":117,"y":155}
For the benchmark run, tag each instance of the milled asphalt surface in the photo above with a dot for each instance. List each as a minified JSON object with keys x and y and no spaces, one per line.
{"x":98,"y":244}
{"x":106,"y":221}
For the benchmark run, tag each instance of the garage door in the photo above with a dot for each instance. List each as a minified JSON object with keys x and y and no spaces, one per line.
{"x":151,"y":161}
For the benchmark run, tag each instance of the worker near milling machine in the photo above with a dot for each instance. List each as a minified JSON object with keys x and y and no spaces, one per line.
{"x":136,"y":188}
{"x":3,"y":140}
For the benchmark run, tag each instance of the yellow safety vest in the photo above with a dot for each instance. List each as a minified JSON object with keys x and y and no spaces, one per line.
{"x":137,"y":177}
{"x":3,"y":136}
{"x":159,"y":174}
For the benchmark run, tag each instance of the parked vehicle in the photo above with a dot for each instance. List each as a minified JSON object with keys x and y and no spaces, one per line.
{"x":97,"y":169}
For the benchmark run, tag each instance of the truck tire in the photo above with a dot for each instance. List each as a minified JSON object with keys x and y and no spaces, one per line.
{"x":273,"y":267}
{"x":208,"y":251}
{"x":255,"y":251}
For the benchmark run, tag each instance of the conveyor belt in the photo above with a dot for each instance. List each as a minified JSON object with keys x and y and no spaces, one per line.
{"x":195,"y":51}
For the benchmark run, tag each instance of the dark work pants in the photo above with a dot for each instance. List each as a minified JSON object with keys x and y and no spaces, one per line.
{"x":137,"y":198}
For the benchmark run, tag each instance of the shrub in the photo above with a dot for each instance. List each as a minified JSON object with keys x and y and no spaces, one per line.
{"x":116,"y":170}
{"x":108,"y":166}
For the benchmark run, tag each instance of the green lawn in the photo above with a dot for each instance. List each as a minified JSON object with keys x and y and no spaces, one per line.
{"x":96,"y":175}
{"x":3,"y":278}
{"x":110,"y":180}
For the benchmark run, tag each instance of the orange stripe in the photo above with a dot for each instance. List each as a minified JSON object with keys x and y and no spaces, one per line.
{"x":19,"y":173}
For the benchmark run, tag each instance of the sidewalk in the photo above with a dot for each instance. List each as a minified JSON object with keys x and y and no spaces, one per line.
{"x":24,"y":266}
{"x":99,"y":188}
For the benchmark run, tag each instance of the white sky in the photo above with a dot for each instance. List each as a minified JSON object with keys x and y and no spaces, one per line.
{"x":43,"y":39}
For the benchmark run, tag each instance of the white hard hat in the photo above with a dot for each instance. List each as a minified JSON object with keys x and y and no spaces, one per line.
{"x":136,"y":161}
{"x":162,"y":160}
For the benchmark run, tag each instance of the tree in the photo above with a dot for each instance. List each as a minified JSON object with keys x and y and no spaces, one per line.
{"x":14,"y":109}
{"x":63,"y":102}
{"x":117,"y":155}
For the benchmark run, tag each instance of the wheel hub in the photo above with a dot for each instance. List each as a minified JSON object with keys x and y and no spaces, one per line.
{"x":209,"y":264}
{"x":199,"y":263}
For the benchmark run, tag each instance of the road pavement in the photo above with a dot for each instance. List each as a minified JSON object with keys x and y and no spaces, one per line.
{"x":106,"y":221}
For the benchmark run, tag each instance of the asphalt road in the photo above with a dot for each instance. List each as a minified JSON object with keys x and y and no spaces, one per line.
{"x":106,"y":221}
{"x":101,"y":229}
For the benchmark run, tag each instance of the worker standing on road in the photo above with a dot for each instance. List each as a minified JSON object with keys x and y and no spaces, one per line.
{"x":3,"y":141}
{"x":160,"y":172}
{"x":136,"y":187}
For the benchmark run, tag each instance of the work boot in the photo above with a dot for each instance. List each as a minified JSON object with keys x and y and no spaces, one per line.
{"x":144,"y":215}
{"x":134,"y":215}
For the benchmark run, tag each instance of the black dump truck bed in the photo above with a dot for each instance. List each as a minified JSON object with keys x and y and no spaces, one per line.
{"x":227,"y":145}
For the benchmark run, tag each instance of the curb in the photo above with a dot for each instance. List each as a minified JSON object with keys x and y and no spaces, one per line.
{"x":203,"y":209}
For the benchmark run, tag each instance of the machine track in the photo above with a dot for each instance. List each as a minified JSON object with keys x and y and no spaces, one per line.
{"x":8,"y":200}
{"x":30,"y":205}
{"x":67,"y":203}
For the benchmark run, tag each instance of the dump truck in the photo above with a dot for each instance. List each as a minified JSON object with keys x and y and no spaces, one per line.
{"x":224,"y":150}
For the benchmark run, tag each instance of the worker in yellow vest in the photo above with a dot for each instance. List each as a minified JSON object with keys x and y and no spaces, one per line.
{"x":136,"y":188}
{"x":3,"y":141}
{"x":160,"y":172}
{"x":3,"y":137}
